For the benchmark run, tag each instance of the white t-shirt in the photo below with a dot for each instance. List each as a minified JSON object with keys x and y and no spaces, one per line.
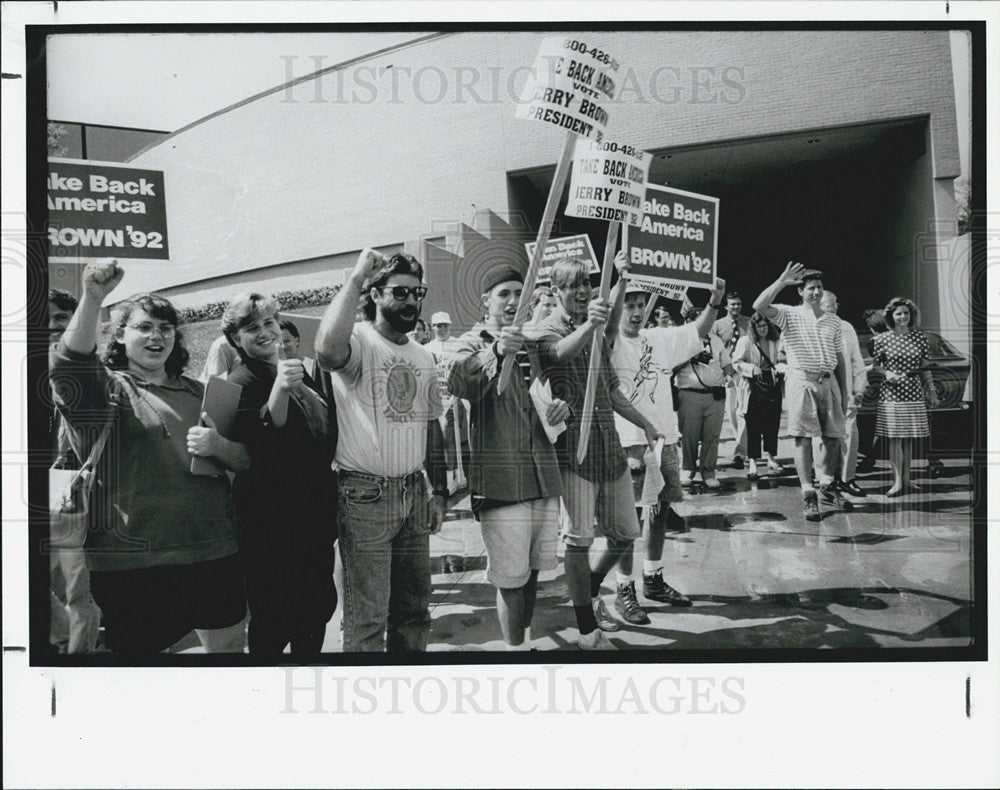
{"x":385,"y":395}
{"x":644,"y":365}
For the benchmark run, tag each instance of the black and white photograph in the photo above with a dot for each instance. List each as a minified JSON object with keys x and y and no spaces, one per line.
{"x":415,"y":369}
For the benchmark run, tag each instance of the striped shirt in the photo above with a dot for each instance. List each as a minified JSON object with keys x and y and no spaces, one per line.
{"x":811,"y":343}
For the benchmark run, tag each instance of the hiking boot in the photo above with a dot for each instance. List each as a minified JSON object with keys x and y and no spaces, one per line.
{"x":595,"y":640}
{"x":655,"y":589}
{"x":628,"y":607}
{"x":829,"y":495}
{"x":810,"y":506}
{"x":604,"y":619}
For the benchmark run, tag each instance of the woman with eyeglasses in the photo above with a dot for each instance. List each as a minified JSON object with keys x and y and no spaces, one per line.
{"x":161,"y":545}
{"x":755,"y":358}
{"x":286,"y":501}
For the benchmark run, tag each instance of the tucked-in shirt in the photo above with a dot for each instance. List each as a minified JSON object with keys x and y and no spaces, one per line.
{"x":699,"y":375}
{"x":385,"y":394}
{"x":811,"y":342}
{"x":856,"y":373}
{"x":605,"y":459}
{"x":150,"y":510}
{"x":512,"y":457}
{"x":644,"y":365}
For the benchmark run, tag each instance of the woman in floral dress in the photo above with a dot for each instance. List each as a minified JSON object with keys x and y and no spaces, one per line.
{"x":901,"y":354}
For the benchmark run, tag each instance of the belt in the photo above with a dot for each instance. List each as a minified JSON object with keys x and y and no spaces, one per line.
{"x":811,"y":375}
{"x":412,"y":477}
{"x":705,"y":391}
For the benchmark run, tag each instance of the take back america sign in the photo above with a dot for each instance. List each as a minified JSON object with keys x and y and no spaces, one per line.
{"x":105,"y":210}
{"x":676,"y":241}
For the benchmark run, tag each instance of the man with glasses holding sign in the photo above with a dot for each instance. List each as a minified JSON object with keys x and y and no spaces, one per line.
{"x":388,"y":404}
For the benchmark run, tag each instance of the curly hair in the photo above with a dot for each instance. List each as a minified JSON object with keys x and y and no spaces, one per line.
{"x":400,"y":263}
{"x":772,"y":333}
{"x":900,"y":301}
{"x":242,"y":311}
{"x":157,"y":307}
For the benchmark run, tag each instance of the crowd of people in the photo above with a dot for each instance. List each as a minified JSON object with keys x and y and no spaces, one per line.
{"x":365,"y":462}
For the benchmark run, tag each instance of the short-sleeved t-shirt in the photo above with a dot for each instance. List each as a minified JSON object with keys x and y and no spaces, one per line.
{"x":811,"y":342}
{"x":385,"y":394}
{"x":644,"y":365}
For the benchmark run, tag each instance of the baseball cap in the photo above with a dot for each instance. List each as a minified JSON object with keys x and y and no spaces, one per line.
{"x":440,"y":317}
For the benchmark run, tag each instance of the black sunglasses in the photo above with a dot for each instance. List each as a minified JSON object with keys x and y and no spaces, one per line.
{"x":400,"y":292}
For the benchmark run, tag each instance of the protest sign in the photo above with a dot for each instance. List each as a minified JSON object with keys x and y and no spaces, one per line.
{"x":677,"y":240}
{"x":104,"y":210}
{"x":577,"y":247}
{"x":570,"y":86}
{"x":608,"y":182}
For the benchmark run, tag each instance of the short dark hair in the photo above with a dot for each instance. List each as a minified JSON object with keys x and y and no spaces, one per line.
{"x":157,"y":307}
{"x":242,"y":311}
{"x":64,"y":300}
{"x":875,"y":320}
{"x":289,"y":327}
{"x":810,"y":274}
{"x":400,"y":263}
{"x":900,"y":301}
{"x":733,"y":295}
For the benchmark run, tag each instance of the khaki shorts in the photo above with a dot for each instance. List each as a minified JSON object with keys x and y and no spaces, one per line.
{"x":520,"y":538}
{"x":814,"y":407}
{"x":609,"y":503}
{"x":670,"y":468}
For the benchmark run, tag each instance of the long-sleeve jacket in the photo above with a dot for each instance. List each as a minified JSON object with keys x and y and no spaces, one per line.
{"x":512,"y":457}
{"x":149,"y":510}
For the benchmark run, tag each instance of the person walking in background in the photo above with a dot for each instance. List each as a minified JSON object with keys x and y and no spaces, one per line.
{"x":867,"y":439}
{"x":286,"y":501}
{"x":663,"y":317}
{"x":816,"y":383}
{"x":388,"y":400}
{"x":456,"y":439}
{"x":514,"y":474}
{"x":701,"y":393}
{"x":75,"y":619}
{"x":857,"y":377}
{"x":729,"y":329}
{"x":421,"y":332}
{"x":755,"y":358}
{"x":163,"y":550}
{"x":900,"y":354}
{"x":542,"y":304}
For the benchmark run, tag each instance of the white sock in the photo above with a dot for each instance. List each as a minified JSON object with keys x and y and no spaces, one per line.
{"x":623,"y":578}
{"x":650,"y":567}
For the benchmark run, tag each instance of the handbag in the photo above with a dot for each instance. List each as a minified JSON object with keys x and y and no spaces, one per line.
{"x":768,"y":383}
{"x":70,"y":489}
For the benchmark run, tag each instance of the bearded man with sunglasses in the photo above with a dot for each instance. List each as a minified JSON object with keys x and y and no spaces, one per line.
{"x":388,"y":404}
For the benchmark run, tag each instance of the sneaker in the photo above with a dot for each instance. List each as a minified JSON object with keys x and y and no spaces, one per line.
{"x":604,"y":619}
{"x":738,"y":462}
{"x":686,"y":476}
{"x":712,"y":484}
{"x":655,"y":589}
{"x":829,"y":495}
{"x":595,"y":640}
{"x":810,"y":506}
{"x":775,"y":465}
{"x":752,"y":470}
{"x":628,"y":607}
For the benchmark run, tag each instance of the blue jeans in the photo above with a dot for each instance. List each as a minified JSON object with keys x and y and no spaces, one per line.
{"x":385,"y":546}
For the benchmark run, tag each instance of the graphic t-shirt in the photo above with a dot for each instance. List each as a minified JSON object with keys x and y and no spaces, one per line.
{"x":644,"y":365}
{"x":385,"y":395}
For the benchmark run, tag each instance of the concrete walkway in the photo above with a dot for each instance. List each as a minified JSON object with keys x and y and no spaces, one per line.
{"x":894,"y":572}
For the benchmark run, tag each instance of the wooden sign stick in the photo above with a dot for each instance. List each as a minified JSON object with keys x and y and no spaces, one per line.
{"x":649,"y":309}
{"x":548,"y":216}
{"x":597,"y":345}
